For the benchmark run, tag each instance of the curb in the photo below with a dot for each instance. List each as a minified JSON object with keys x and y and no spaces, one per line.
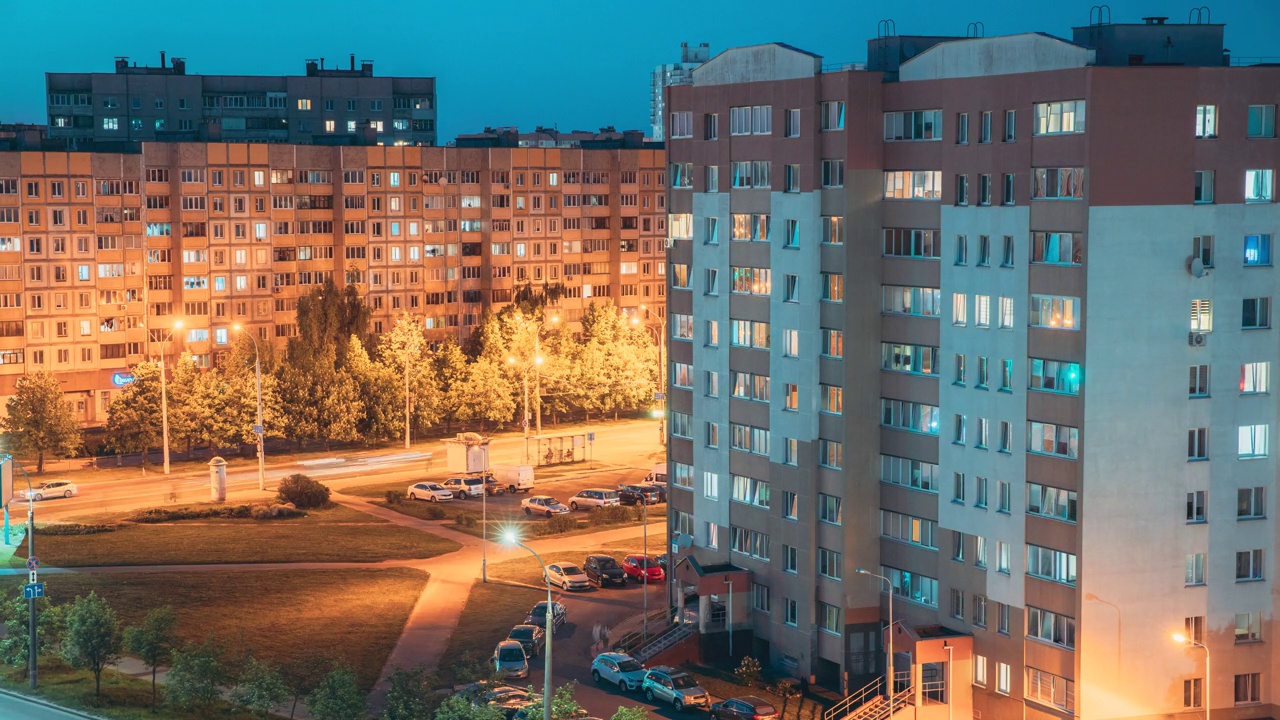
{"x":35,"y":700}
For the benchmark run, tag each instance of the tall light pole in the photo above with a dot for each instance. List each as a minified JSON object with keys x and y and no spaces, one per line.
{"x":662,"y":375}
{"x":888,"y":655}
{"x":537,"y":377}
{"x":535,"y":364}
{"x":1208,"y":674}
{"x":164,"y":395}
{"x":259,"y":429}
{"x":511,"y":539}
{"x":1119,"y":632}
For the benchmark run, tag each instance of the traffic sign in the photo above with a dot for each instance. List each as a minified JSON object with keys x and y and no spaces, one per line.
{"x":33,"y":563}
{"x":659,"y":396}
{"x":32,"y":576}
{"x":33,"y":591}
{"x":591,"y":437}
{"x":257,"y":429}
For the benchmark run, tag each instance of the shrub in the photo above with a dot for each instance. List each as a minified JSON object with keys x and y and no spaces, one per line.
{"x":303,"y":492}
{"x":466,"y":520}
{"x":611,"y":515}
{"x":163,"y":515}
{"x":435,"y":512}
{"x":76,"y":529}
{"x":393,"y":497}
{"x":748,"y":672}
{"x":558,"y":524}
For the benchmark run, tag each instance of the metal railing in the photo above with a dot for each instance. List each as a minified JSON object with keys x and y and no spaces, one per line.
{"x":934,"y":692}
{"x":663,"y":642}
{"x":850,"y":704}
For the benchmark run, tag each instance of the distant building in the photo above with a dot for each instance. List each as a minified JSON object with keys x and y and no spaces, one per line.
{"x":327,"y":106}
{"x":664,"y":76}
{"x":542,"y":137}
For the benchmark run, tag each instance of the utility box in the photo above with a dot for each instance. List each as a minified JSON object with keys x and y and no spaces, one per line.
{"x":468,"y":453}
{"x":6,"y":479}
{"x":218,"y":480}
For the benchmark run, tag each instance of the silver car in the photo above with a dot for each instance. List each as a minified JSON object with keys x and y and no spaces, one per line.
{"x":667,"y":684}
{"x":509,"y":660}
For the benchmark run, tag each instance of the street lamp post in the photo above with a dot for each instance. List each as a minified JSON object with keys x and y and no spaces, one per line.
{"x":511,"y":539}
{"x":537,"y":362}
{"x":1119,"y":632}
{"x":889,"y":644}
{"x":1208,"y":674}
{"x":537,"y":378}
{"x":164,"y":396}
{"x":259,"y":429}
{"x":662,"y":375}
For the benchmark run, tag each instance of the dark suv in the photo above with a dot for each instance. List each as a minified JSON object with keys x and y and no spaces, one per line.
{"x":632,"y":494}
{"x":602,"y":569}
{"x":538,"y":616}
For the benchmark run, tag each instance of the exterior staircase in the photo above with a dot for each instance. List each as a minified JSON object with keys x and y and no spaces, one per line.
{"x":666,"y":640}
{"x":871,"y":703}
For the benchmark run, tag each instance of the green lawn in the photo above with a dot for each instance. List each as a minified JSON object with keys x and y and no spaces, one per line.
{"x":337,"y":534}
{"x":492,"y":609}
{"x":352,"y":616}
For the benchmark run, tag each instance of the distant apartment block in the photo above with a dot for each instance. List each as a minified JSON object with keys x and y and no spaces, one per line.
{"x":327,"y":105}
{"x":668,"y":75}
{"x":101,"y":252}
{"x":990,"y":319}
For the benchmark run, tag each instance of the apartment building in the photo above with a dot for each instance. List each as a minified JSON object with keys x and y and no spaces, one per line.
{"x":101,"y":252}
{"x":667,"y":75}
{"x":327,"y":105}
{"x":948,"y":319}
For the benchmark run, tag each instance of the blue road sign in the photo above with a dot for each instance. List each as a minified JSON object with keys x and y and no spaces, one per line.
{"x":591,"y":437}
{"x":33,"y":563}
{"x":257,"y":429}
{"x":33,"y":591}
{"x":659,"y":396}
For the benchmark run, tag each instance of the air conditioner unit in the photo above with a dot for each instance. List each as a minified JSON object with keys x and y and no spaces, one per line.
{"x":1196,"y":339}
{"x":671,"y":242}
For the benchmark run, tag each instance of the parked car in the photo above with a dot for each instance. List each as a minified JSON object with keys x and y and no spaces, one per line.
{"x":531,"y":637}
{"x":632,"y":494}
{"x":618,"y":669}
{"x":430,"y":491}
{"x":567,"y":576}
{"x":543,"y":505}
{"x":594,"y":497}
{"x":509,"y":660}
{"x":516,"y":478}
{"x":538,"y":616}
{"x":747,"y":707}
{"x":661,"y":489}
{"x":638,"y":566}
{"x":507,"y":699}
{"x":601,"y":569}
{"x":493,"y":487}
{"x":666,"y":684}
{"x":56,"y":488}
{"x":464,"y":487}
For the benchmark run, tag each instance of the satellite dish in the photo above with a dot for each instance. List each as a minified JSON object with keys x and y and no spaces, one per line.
{"x":683,"y":540}
{"x":1195,"y":266}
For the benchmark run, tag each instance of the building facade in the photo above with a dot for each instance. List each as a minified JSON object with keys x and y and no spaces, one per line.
{"x":936,"y":326}
{"x":101,"y":252}
{"x":665,"y":76}
{"x":329,"y":106}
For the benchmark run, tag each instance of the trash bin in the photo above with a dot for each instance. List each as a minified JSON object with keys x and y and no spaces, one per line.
{"x":218,"y":480}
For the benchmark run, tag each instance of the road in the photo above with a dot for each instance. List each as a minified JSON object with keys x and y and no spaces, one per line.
{"x":630,"y":444}
{"x":12,"y":706}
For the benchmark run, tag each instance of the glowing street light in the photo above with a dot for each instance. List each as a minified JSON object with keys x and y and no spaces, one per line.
{"x":1208,"y":675}
{"x":258,"y":429}
{"x":889,"y":689}
{"x":510,"y":537}
{"x":164,"y":395}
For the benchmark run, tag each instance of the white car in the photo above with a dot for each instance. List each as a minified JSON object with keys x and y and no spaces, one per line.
{"x":57,"y":488}
{"x":594,"y":497}
{"x":430,"y":491}
{"x":618,"y":669}
{"x":543,"y":505}
{"x":567,"y":576}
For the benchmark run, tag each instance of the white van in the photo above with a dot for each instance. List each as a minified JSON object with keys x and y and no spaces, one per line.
{"x":514,"y":477}
{"x":657,"y":476}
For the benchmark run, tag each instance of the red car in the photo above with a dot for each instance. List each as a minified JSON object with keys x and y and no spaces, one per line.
{"x":637,"y":566}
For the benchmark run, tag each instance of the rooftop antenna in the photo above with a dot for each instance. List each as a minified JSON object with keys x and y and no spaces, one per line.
{"x":976,"y":29}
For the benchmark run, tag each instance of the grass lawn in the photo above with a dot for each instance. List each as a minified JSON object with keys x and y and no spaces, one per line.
{"x":337,"y":534}
{"x":491,"y":610}
{"x":123,"y":697}
{"x":354,"y":616}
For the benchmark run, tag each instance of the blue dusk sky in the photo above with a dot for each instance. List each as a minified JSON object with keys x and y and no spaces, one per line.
{"x":578,"y":65}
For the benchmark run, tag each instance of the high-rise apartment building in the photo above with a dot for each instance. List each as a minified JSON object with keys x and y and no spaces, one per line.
{"x":665,"y":76}
{"x":330,"y":106}
{"x":101,"y":252}
{"x":992,"y":320}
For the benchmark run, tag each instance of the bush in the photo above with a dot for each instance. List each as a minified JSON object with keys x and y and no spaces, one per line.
{"x":394,"y":497}
{"x":558,"y":524}
{"x":435,"y":512}
{"x":76,"y":529}
{"x":303,"y":492}
{"x":748,"y":672}
{"x":611,"y":515}
{"x":163,"y":515}
{"x":465,"y":519}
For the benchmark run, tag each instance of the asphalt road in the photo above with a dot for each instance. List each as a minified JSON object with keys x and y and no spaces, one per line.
{"x":22,"y":709}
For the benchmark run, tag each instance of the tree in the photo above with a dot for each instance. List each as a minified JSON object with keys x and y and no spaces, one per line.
{"x":302,"y":675}
{"x":196,"y":676}
{"x":382,"y":394}
{"x":191,"y":403}
{"x":321,"y":402}
{"x":630,"y":713}
{"x":40,"y":419}
{"x":488,"y":395}
{"x":336,"y":697}
{"x":451,"y":375}
{"x":328,"y":316}
{"x":408,"y":696}
{"x":153,"y":640}
{"x":563,"y":706}
{"x":14,"y":647}
{"x":460,"y":708}
{"x":403,"y":351}
{"x":261,"y":687}
{"x":133,"y":420}
{"x":92,"y":638}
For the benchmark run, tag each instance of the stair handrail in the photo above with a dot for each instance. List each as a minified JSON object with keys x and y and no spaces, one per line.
{"x":856,"y":700}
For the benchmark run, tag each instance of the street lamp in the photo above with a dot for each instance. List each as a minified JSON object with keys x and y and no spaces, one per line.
{"x":537,"y":361}
{"x":1208,"y":675}
{"x":889,"y":645}
{"x":510,"y":538}
{"x":164,"y":396}
{"x":537,"y":374}
{"x":258,"y":429}
{"x":662,"y":374}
